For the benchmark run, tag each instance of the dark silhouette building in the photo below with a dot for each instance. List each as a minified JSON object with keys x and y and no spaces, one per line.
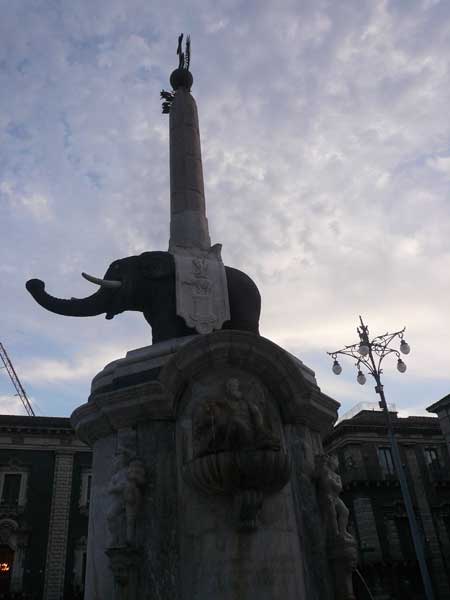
{"x":378,"y":517}
{"x":44,"y":501}
{"x":45,"y":482}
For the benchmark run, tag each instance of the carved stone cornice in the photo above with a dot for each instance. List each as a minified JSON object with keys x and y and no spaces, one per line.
{"x":291,"y":383}
{"x":108,"y":412}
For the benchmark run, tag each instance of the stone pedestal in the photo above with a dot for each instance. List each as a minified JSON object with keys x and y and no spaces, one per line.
{"x":203,"y":473}
{"x":343,"y":555}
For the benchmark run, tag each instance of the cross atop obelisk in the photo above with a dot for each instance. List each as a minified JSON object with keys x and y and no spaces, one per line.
{"x":201,"y":285}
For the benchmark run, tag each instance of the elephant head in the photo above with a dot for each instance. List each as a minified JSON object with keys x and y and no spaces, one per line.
{"x":146,"y":283}
{"x":143,"y":283}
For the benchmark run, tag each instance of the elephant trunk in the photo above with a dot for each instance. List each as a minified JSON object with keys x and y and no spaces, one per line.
{"x":95,"y":304}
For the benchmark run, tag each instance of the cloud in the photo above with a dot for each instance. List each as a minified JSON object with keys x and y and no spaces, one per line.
{"x":11,"y":405}
{"x":440,"y":164}
{"x":35,"y":205}
{"x":80,"y":368}
{"x":325,"y":151}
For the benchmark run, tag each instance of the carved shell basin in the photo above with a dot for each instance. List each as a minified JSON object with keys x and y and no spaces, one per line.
{"x":230,"y":472}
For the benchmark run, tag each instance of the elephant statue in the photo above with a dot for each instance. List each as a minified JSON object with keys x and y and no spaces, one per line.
{"x":146,"y":283}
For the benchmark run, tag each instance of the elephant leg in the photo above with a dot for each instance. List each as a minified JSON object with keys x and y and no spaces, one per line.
{"x":166,"y":327}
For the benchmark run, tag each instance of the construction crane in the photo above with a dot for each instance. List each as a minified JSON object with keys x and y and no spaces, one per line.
{"x":16,"y":381}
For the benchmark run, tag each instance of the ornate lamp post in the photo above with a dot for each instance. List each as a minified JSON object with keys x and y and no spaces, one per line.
{"x":370,"y":354}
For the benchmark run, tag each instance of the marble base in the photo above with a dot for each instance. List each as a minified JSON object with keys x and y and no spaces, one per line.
{"x":190,"y":543}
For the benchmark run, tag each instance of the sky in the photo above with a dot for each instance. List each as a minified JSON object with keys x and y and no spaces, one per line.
{"x":325,"y":131}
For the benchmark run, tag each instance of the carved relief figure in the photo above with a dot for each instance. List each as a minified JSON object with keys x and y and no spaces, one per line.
{"x":236,"y":421}
{"x":133,"y":496}
{"x":334,"y":510}
{"x":125,"y":492}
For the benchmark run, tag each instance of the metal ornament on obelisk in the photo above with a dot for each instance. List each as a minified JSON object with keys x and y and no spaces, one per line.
{"x":201,"y":285}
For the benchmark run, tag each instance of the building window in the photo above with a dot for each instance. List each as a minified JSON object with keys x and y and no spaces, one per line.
{"x":405,"y":538}
{"x":12,"y":487}
{"x":79,"y":566}
{"x":386,"y":462}
{"x":86,"y":487}
{"x":431,"y":456}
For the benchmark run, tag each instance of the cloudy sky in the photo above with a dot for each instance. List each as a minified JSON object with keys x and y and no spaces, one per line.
{"x":325,"y":137}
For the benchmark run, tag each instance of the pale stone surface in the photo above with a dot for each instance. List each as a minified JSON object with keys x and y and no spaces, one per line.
{"x":188,"y":224}
{"x":201,"y":285}
{"x":303,"y":449}
{"x":218,"y":559}
{"x":335,"y":512}
{"x":99,"y":578}
{"x":340,"y":544}
{"x":201,"y":288}
{"x":59,"y":523}
{"x":137,"y":362}
{"x":188,"y":544}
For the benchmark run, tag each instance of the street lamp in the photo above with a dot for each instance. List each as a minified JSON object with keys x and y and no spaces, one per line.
{"x":369,"y":354}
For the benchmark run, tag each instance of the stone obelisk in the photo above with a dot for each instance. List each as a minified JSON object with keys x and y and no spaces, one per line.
{"x":201,"y":285}
{"x":188,"y":222}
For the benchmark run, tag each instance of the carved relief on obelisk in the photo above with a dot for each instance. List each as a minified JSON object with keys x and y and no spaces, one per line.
{"x":201,"y":285}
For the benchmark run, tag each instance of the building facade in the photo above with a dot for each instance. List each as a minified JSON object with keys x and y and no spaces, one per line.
{"x":44,"y":502}
{"x":442,"y":409}
{"x":45,"y":482}
{"x":378,"y":517}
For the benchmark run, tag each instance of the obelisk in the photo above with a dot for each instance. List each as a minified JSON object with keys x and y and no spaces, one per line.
{"x":201,"y":285}
{"x":188,"y":222}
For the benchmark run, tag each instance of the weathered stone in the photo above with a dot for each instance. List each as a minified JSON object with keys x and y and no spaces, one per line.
{"x":247,"y":528}
{"x":59,"y":524}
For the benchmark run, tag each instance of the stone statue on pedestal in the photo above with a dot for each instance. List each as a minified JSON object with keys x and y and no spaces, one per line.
{"x":340,"y":543}
{"x":125,"y":491}
{"x":330,"y":487}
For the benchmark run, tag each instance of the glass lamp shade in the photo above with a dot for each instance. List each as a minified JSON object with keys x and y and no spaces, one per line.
{"x":401,"y":366}
{"x":337,"y":369}
{"x":361,"y":378}
{"x":363,"y":349}
{"x":404,"y":347}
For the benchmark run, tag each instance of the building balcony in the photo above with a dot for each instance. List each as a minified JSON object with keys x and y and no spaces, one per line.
{"x":368,"y":476}
{"x":10,"y":508}
{"x":438,"y":475}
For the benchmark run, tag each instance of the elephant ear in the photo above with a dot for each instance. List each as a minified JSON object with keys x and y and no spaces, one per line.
{"x":156,"y":265}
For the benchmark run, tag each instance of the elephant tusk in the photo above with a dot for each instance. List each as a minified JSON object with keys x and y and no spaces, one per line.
{"x":108,"y":283}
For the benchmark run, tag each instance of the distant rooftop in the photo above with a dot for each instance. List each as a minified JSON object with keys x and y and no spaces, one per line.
{"x":375,"y":421}
{"x":24,"y":422}
{"x":374,"y":406}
